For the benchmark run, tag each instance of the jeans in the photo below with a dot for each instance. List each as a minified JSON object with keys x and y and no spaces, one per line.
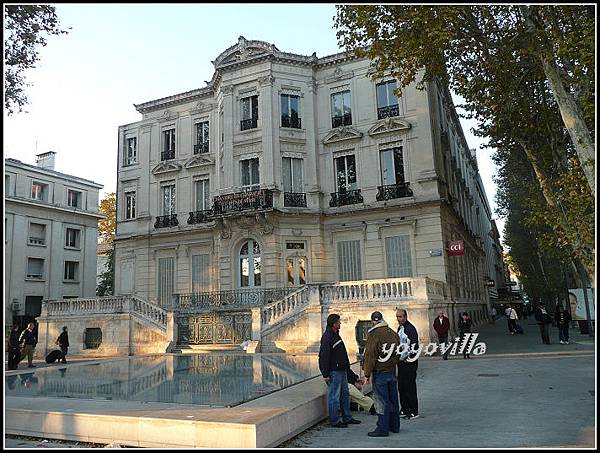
{"x":338,"y":396}
{"x":544,"y":330}
{"x":385,"y":393}
{"x":407,"y":386}
{"x":442,"y":340}
{"x":563,"y":332}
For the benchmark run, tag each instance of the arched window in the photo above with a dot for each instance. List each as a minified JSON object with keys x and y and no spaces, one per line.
{"x":250,"y":270}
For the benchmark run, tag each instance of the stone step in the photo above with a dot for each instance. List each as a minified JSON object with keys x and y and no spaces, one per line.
{"x":198,"y":348}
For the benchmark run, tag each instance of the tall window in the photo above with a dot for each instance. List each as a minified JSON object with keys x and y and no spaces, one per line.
{"x":292,"y":175}
{"x":166,"y":273}
{"x":37,"y":234}
{"x":250,"y":174}
{"x":387,"y":102}
{"x":201,"y":145}
{"x":392,"y":166}
{"x":72,"y":237}
{"x":250,"y":265}
{"x":290,"y":113}
{"x":349,"y":261}
{"x":168,"y":145}
{"x":202,"y":191}
{"x":168,"y":200}
{"x":345,"y":173}
{"x":296,"y":270}
{"x":341,"y":109}
{"x":249,"y":113}
{"x":397,"y":256}
{"x":200,"y":273}
{"x":39,"y":191}
{"x":73,"y":198}
{"x":35,"y":268}
{"x":131,"y":151}
{"x":71,"y":271}
{"x":130,"y":205}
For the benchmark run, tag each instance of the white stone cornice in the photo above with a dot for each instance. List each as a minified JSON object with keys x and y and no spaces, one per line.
{"x":388,"y":125}
{"x":199,"y":160}
{"x":166,"y":167}
{"x":342,"y":133}
{"x":339,"y":75}
{"x":53,"y":207}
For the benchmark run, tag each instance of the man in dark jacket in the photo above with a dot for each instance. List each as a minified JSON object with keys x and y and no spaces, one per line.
{"x":334,"y":364}
{"x":441,"y":325}
{"x":562,"y":318}
{"x":407,"y":367}
{"x":29,"y":339}
{"x":381,"y":366}
{"x":63,"y":343}
{"x":14,"y":350}
{"x":543,"y":319}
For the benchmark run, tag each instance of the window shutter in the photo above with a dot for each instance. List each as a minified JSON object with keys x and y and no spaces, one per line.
{"x":397,"y":251}
{"x":200,"y":268}
{"x":166,"y":270}
{"x":349,"y":262}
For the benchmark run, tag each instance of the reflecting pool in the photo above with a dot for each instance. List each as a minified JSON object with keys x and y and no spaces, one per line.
{"x":211,"y":379}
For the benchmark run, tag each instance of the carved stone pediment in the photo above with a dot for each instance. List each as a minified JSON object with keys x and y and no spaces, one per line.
{"x":200,"y":107}
{"x":338,"y":75}
{"x":389,"y":124}
{"x":199,"y":160}
{"x":342,"y":133}
{"x":244,"y":50}
{"x":166,"y":167}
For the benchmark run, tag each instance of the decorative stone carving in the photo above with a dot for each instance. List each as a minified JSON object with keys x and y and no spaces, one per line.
{"x":388,"y":125}
{"x":297,"y":232}
{"x":339,"y":75}
{"x":266,"y":80}
{"x":227,"y":89}
{"x":263,"y":220}
{"x":166,"y":167}
{"x":245,"y":222}
{"x":342,"y":133}
{"x":224,"y":226}
{"x":199,"y":160}
{"x":202,"y":107}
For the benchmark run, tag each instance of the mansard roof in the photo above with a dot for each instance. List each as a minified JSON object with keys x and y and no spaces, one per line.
{"x":243,"y":53}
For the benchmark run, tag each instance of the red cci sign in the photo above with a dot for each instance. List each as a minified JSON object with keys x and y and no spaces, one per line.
{"x":456,"y":248}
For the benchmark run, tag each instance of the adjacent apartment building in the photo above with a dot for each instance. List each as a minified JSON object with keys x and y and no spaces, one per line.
{"x":288,"y":169}
{"x":51,"y":230}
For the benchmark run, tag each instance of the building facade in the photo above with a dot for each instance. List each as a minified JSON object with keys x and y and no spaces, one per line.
{"x":51,"y":229}
{"x":289,"y":169}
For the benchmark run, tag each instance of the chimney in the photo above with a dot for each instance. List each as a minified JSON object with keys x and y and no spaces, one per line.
{"x":45,"y":160}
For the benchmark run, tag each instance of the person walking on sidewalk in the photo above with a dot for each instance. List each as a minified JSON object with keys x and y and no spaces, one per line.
{"x":441,"y":325}
{"x":334,"y":364}
{"x":464,"y":328}
{"x":29,"y":340}
{"x":512,"y":317}
{"x":562,"y":318}
{"x":14,"y":350}
{"x":407,"y":367}
{"x":493,"y":314}
{"x":63,"y":343}
{"x":543,"y":319}
{"x":383,"y":375}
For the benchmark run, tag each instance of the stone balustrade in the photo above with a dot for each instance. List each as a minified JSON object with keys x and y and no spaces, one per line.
{"x":277,"y":311}
{"x":149,"y":311}
{"x":369,"y":290}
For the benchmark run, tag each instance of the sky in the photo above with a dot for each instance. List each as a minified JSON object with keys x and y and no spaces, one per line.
{"x":86,"y":82}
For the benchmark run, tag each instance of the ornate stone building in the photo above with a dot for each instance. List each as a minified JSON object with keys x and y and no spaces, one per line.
{"x":287,"y":170}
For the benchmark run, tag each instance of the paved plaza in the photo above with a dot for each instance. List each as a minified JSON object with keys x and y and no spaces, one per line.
{"x":521,"y":393}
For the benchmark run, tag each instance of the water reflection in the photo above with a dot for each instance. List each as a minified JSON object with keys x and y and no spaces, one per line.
{"x":203,"y":379}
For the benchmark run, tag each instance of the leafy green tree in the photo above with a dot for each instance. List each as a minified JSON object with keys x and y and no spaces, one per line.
{"x":107,"y":226}
{"x":106,"y":286}
{"x":24,"y":27}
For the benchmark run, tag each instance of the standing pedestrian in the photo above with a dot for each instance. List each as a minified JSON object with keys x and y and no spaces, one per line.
{"x":407,"y":367}
{"x":464,"y":328}
{"x":14,"y":350}
{"x":543,"y":319}
{"x":29,"y":340}
{"x":441,"y":325}
{"x":383,"y":375}
{"x":493,"y":314}
{"x":334,"y":364}
{"x":562,"y":318}
{"x":512,"y":319}
{"x":63,"y":343}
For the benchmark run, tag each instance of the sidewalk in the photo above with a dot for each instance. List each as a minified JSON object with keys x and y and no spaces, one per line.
{"x":521,"y":393}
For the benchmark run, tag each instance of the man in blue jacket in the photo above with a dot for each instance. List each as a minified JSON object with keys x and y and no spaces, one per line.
{"x":407,"y":367}
{"x":334,"y":364}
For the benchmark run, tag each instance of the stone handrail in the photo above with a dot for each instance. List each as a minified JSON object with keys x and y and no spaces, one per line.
{"x":275,"y":312}
{"x":151,"y":312}
{"x":368,"y":290}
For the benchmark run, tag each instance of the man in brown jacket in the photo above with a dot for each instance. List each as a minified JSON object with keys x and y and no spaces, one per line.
{"x":380,"y":366}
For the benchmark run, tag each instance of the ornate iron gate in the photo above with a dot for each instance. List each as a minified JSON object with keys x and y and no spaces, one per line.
{"x":217,"y":327}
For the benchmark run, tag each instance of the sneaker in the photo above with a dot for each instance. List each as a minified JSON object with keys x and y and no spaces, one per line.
{"x":339,"y":424}
{"x":566,"y":342}
{"x":562,"y":342}
{"x":352,"y":421}
{"x":411,"y":416}
{"x":403,"y":414}
{"x":377,"y":434}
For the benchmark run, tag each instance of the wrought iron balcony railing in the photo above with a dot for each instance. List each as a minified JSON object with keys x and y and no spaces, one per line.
{"x":344,"y":120}
{"x":243,"y":201}
{"x":167,"y":155}
{"x":287,"y":121}
{"x":200,"y":217}
{"x":165,"y":221}
{"x":389,"y":192}
{"x":345,"y":198}
{"x":387,"y":111}
{"x":254,"y":297}
{"x":201,"y":148}
{"x":252,"y":123}
{"x":294,"y":199}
